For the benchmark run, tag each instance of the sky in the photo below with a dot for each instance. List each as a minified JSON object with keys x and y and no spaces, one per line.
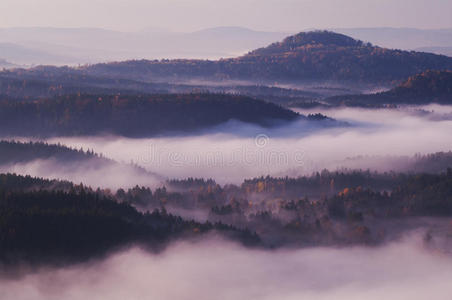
{"x":191,"y":15}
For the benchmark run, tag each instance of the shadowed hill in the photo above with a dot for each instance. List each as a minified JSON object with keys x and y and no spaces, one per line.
{"x":17,"y":152}
{"x":135,"y":116}
{"x":51,"y":225}
{"x":58,"y":161}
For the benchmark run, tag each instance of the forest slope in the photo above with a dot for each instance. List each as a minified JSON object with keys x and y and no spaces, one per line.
{"x":135,"y":115}
{"x":423,"y":88}
{"x":316,"y":55}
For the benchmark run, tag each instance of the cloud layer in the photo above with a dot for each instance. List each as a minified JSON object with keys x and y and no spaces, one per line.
{"x":236,"y":151}
{"x":220,"y":270}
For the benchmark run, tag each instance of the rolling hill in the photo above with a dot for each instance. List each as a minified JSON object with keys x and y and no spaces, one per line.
{"x":59,"y":222}
{"x":135,"y":116}
{"x":305,"y":67}
{"x":316,"y":55}
{"x":423,"y":88}
{"x":58,"y":161}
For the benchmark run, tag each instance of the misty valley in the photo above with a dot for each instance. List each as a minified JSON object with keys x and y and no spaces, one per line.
{"x":317,"y":167}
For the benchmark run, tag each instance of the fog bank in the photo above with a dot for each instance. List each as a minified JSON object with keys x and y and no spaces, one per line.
{"x":232,"y":153}
{"x":89,"y":172}
{"x":222,"y":270}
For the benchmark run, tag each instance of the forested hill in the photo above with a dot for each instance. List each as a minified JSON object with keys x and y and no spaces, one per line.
{"x":424,"y":88}
{"x":76,"y":224}
{"x":46,"y":220}
{"x":318,"y":55}
{"x":308,"y":57}
{"x":17,"y":152}
{"x":433,"y":85}
{"x":59,"y":161}
{"x":298,"y":42}
{"x":135,"y":115}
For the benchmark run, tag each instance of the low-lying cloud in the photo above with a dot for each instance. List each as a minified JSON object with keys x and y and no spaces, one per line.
{"x":216,"y":269}
{"x":89,"y":172}
{"x":232,"y":153}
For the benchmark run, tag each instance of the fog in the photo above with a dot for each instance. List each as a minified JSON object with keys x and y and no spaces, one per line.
{"x":408,"y":267}
{"x":233,"y":152}
{"x":106,"y":176}
{"x":215,"y":269}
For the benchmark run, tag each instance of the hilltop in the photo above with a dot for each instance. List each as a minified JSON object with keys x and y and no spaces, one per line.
{"x":317,"y":55}
{"x":303,"y":68}
{"x":304,"y":40}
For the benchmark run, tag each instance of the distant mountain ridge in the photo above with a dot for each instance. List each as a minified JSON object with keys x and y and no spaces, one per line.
{"x":308,"y":62}
{"x":28,"y":56}
{"x":437,"y":50}
{"x":401,"y":38}
{"x":73,"y":46}
{"x":5,"y":64}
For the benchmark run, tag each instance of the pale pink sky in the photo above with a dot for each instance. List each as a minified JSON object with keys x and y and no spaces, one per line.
{"x":188,"y":15}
